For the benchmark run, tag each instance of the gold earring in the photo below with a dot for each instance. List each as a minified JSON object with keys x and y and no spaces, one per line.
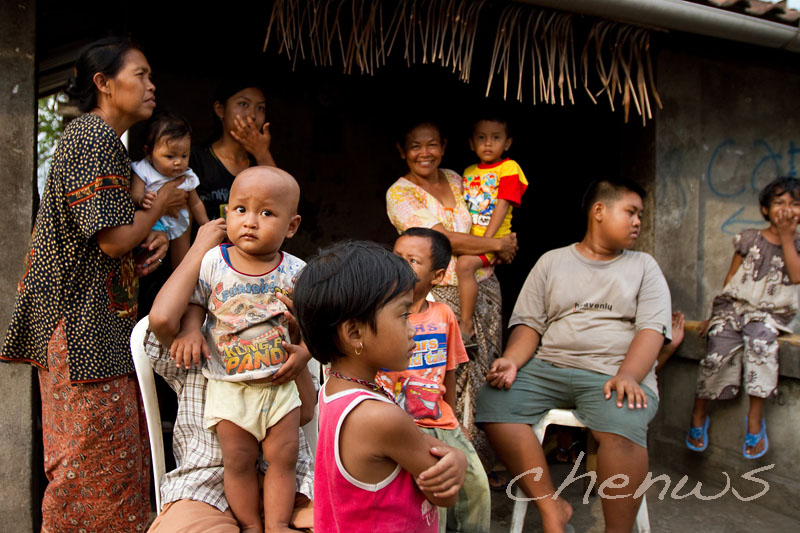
{"x":360,"y":349}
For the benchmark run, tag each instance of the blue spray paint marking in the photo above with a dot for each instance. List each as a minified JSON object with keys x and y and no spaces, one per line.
{"x":772,"y":156}
{"x":793,"y":150}
{"x":771,"y":163}
{"x":709,"y":176}
{"x":734,"y":220}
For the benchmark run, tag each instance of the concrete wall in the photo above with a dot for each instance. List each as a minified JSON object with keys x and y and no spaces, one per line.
{"x":729,"y":126}
{"x":17,"y":170}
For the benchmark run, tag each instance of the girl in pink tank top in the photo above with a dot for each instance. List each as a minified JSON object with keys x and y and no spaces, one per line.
{"x":374,"y":470}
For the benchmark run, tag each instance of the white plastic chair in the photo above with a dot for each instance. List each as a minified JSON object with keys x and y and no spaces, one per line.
{"x":147,"y":384}
{"x":311,"y":430}
{"x":565,"y":417}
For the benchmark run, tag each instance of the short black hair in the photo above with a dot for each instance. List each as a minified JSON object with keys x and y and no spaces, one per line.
{"x":491,"y":116}
{"x":348,"y":280}
{"x":410,"y":124}
{"x":775,"y":188}
{"x":609,"y":190}
{"x":441,"y":251}
{"x":105,"y":56}
{"x":232,"y":84}
{"x":165,"y":125}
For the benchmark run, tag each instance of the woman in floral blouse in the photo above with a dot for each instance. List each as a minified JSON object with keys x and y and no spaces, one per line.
{"x":431,"y":197}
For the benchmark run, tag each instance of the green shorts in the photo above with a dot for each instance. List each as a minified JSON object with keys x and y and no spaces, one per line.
{"x":540,"y":386}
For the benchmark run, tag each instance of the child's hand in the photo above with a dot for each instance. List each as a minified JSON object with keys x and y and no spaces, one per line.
{"x":210,"y":235}
{"x":678,"y":322}
{"x":147,"y":200}
{"x":626,"y":385}
{"x":445,"y":478}
{"x":786,"y":223}
{"x":502,"y":373}
{"x":189,"y":347}
{"x":297,"y":360}
{"x":294,"y":328}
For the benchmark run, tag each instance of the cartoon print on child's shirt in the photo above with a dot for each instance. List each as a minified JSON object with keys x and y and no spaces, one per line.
{"x":419,"y":394}
{"x":480,"y":195}
{"x":250,"y":333}
{"x":419,"y":397}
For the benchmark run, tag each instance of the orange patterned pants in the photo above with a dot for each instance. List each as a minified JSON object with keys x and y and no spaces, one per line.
{"x":96,"y":450}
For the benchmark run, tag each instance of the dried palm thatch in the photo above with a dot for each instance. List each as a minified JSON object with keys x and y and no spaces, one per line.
{"x":623,"y":64}
{"x":364,"y":32}
{"x":545,"y":40}
{"x":548,"y":36}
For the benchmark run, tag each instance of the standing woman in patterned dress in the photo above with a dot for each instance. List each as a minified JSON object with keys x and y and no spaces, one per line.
{"x":431,"y":197}
{"x":76,"y":302}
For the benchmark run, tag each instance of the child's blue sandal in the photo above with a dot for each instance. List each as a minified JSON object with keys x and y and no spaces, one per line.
{"x":751,"y":440}
{"x":697,"y":433}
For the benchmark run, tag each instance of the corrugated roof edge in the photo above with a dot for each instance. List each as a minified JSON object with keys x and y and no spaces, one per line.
{"x":777,"y":11}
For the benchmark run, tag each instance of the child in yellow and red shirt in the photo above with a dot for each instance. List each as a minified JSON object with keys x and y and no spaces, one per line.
{"x":492,"y":188}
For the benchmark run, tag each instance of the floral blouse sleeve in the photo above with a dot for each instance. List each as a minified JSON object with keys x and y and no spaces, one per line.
{"x":407,"y":208}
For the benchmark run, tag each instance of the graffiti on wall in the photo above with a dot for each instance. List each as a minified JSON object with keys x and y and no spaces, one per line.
{"x":762,"y":163}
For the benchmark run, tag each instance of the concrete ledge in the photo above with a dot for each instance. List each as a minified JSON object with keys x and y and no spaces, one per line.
{"x":694,"y":348}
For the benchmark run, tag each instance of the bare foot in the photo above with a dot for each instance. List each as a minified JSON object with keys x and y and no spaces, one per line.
{"x":280,"y":529}
{"x":303,"y":515}
{"x":467,"y":329}
{"x":556,"y":520}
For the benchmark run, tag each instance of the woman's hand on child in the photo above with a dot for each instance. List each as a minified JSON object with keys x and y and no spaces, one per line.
{"x":174,"y":199}
{"x":154,"y":249}
{"x":248,"y":135}
{"x":502,"y":373}
{"x":445,"y":478}
{"x":147,"y":200}
{"x":626,"y":385}
{"x":508,"y":248}
{"x":189,"y":347}
{"x":297,"y":359}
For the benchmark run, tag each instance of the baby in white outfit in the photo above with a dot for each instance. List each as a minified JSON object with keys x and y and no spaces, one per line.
{"x":167,"y":147}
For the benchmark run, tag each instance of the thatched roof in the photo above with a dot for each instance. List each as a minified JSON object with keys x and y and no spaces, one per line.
{"x":535,"y":47}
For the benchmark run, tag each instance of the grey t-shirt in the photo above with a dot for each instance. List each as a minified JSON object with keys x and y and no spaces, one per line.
{"x":587,"y":312}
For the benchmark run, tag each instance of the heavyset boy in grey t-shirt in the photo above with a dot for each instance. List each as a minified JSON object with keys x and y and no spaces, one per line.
{"x":587,"y":329}
{"x":589,"y":311}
